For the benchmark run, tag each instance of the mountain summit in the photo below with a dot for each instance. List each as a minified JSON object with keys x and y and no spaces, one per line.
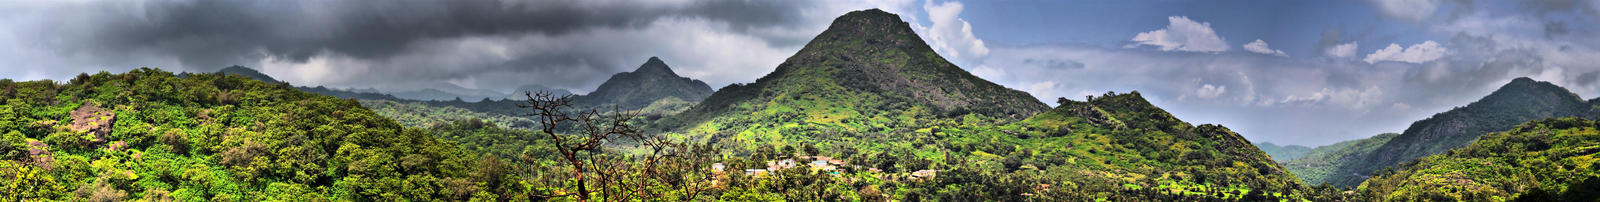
{"x":874,"y":51}
{"x":867,"y":72}
{"x":654,"y":66}
{"x":651,"y":82}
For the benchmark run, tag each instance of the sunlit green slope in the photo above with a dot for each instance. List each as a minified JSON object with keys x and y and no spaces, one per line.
{"x":1546,"y":160}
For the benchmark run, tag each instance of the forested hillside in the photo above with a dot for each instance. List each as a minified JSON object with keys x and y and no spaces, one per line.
{"x":867,"y":76}
{"x":1322,"y":164}
{"x":149,"y":134}
{"x":1546,"y":160}
{"x":1519,"y":101}
{"x":1119,"y":146}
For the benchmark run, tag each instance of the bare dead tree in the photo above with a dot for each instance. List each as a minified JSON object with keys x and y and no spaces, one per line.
{"x":670,"y":165}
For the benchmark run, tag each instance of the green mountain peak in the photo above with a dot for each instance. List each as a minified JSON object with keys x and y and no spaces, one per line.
{"x":655,"y":66}
{"x":652,"y":81}
{"x":867,"y":66}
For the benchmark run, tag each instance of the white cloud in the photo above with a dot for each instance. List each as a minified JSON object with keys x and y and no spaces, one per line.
{"x":1343,"y":50}
{"x":1419,"y":53}
{"x":1210,"y":92}
{"x":1182,"y":34}
{"x":1412,"y":10}
{"x":986,"y":72}
{"x":1313,"y":98}
{"x":951,"y":35}
{"x":1348,"y":98}
{"x":1045,"y":91}
{"x":1261,"y":47}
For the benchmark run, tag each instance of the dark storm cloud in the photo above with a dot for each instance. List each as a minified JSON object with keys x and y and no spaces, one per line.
{"x":217,"y":33}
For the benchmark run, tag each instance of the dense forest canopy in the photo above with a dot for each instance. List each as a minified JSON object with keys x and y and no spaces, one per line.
{"x":150,"y":134}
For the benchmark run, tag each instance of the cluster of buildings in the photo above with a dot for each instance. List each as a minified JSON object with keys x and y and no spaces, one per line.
{"x":817,"y":163}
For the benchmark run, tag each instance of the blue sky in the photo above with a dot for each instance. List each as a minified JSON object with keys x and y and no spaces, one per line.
{"x":1444,"y":54}
{"x":1291,"y":72}
{"x":1111,"y":23}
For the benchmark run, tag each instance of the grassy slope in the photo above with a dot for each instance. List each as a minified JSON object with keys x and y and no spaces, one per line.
{"x":1519,"y":101}
{"x":1551,"y":159}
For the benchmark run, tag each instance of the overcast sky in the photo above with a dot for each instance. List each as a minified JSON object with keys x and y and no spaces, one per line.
{"x":1294,"y":72}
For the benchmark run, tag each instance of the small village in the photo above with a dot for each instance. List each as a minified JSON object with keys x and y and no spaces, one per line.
{"x":821,"y":164}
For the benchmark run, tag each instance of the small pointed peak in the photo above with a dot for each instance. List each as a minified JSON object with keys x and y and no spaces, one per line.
{"x":654,"y":65}
{"x":654,"y":59}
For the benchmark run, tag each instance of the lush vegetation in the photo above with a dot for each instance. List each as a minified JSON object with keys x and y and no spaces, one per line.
{"x":149,"y":134}
{"x":1321,"y":166}
{"x":152,"y":135}
{"x":867,"y":73}
{"x":870,"y":92}
{"x":1123,"y":141}
{"x":866,"y":112}
{"x":1519,"y":101}
{"x":1547,"y":160}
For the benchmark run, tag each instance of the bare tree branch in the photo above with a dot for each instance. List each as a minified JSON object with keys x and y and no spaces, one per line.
{"x":580,"y":141}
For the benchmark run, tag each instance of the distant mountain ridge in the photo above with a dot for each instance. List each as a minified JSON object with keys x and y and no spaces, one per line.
{"x":651,"y":83}
{"x":1516,"y":102}
{"x":519,"y":93}
{"x":1282,"y":153}
{"x":248,"y":72}
{"x":1520,"y":101}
